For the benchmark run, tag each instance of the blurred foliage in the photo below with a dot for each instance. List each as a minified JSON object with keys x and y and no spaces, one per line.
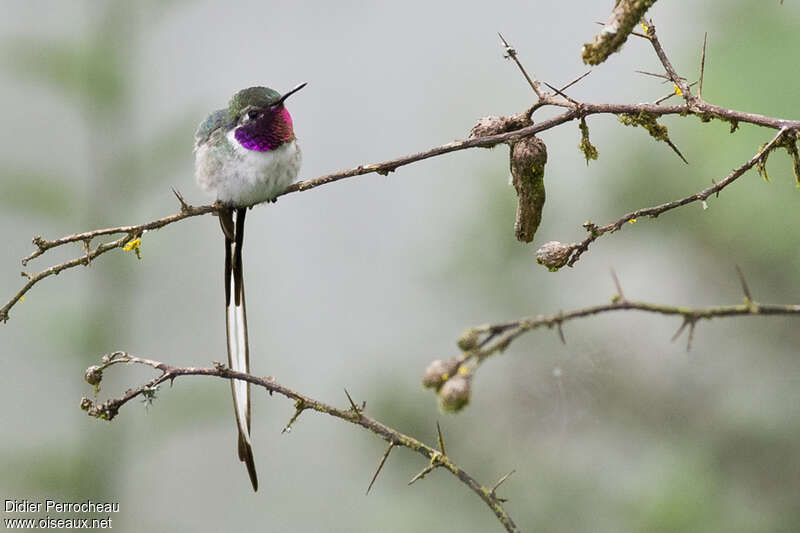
{"x":92,"y":76}
{"x":701,"y":468}
{"x":38,"y":194}
{"x":623,"y":441}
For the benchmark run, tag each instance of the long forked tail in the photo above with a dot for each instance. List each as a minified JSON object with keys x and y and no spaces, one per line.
{"x":232,"y":223}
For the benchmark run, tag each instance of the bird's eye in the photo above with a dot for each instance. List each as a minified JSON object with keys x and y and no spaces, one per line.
{"x":253,"y":114}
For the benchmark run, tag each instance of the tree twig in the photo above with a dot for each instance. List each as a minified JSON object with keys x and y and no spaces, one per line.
{"x":511,"y":53}
{"x":503,"y":334}
{"x":576,"y":110}
{"x":109,"y":410}
{"x":577,"y":249}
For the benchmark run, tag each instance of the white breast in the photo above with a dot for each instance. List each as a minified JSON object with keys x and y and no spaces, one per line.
{"x":242,"y":177}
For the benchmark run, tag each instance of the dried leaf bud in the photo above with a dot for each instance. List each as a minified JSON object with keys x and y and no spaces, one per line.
{"x":553,"y":255}
{"x":492,"y":125}
{"x":455,"y":393}
{"x":468,"y":340}
{"x":487,"y":126}
{"x":439,"y":371}
{"x":93,"y":375}
{"x":528,"y":158}
{"x":86,"y":403}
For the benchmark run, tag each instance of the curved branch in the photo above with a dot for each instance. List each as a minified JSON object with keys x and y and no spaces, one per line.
{"x":577,"y":249}
{"x":500,"y":336}
{"x":481,"y":342}
{"x":575,"y":110}
{"x":354,"y":415}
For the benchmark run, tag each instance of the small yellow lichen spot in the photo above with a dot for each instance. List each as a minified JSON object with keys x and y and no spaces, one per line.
{"x":678,"y":90}
{"x":632,"y":221}
{"x":134,"y":246}
{"x":445,"y":376}
{"x":644,"y":27}
{"x":463,"y":370}
{"x":21,"y":298}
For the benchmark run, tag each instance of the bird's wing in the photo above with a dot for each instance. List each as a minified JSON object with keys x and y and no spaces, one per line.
{"x":213,"y":122}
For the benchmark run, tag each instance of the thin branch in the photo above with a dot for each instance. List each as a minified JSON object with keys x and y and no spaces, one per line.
{"x":624,"y":17}
{"x":43,"y":245}
{"x":576,"y":110}
{"x":662,"y":56}
{"x":597,"y":231}
{"x":109,"y":410}
{"x":504,"y":333}
{"x":511,"y":53}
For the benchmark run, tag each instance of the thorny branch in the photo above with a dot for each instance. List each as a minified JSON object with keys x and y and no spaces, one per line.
{"x":694,"y":105}
{"x":355,"y":415}
{"x":481,"y":342}
{"x":577,"y":249}
{"x":501,"y":335}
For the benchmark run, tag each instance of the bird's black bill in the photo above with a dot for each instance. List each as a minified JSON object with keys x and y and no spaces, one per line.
{"x":290,"y":93}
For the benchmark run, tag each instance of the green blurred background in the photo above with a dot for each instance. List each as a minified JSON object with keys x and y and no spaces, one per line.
{"x":360,"y":284}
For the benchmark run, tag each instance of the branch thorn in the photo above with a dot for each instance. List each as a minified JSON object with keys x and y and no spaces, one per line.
{"x":675,"y":149}
{"x":691,"y":334}
{"x":620,"y":296}
{"x":745,"y":288}
{"x":560,"y":329}
{"x":576,"y":80}
{"x":558,"y":91}
{"x":184,"y":205}
{"x":353,"y":405}
{"x":680,"y":329}
{"x":441,"y":439}
{"x":424,"y":472}
{"x":299,"y":407}
{"x":380,"y":465}
{"x":702,"y":67}
{"x":512,"y":54}
{"x":496,"y":485}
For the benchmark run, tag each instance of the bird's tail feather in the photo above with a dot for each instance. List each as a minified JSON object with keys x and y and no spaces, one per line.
{"x":232,"y":223}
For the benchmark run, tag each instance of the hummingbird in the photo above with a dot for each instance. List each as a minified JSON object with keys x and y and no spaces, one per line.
{"x":246,"y":154}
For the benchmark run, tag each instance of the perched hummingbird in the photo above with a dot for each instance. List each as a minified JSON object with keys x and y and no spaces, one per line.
{"x":246,"y":154}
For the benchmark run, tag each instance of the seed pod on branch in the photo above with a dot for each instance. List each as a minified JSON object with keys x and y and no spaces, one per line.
{"x":528,"y":158}
{"x":455,"y":393}
{"x":553,"y":255}
{"x":440,"y":371}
